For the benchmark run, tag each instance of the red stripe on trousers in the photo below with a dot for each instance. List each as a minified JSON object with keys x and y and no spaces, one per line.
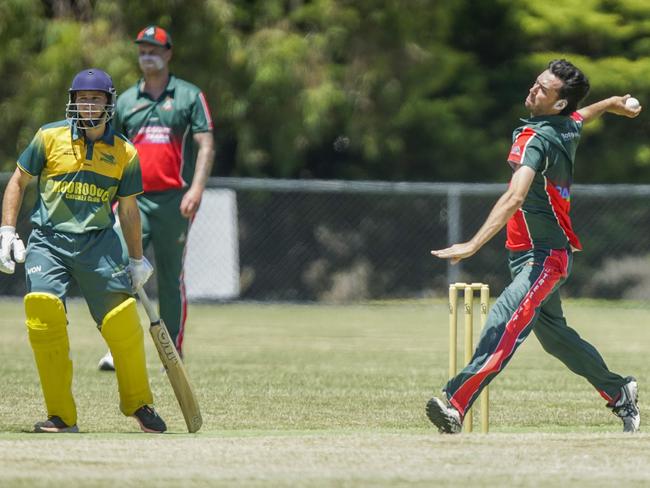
{"x":552,"y":272}
{"x":610,"y":400}
{"x":181,"y":328}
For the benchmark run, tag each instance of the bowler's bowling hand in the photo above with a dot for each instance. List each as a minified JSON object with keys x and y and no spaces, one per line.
{"x":456,"y":252}
{"x":625,"y":105}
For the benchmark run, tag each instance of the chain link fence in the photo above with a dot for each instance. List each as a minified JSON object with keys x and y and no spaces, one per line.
{"x":334,"y":241}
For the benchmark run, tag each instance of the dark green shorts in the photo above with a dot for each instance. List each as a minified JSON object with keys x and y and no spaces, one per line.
{"x":94,"y":260}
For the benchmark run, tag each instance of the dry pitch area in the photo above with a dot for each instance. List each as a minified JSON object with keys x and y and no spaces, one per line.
{"x":328,"y":459}
{"x":328,"y":396}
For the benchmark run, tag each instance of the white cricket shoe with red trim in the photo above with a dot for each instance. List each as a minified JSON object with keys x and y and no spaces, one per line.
{"x":627,"y":406}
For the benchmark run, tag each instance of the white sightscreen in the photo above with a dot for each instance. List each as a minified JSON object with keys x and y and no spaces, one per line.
{"x":212,"y":258}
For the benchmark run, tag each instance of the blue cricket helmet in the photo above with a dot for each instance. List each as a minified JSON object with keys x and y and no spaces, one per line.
{"x":91,"y":79}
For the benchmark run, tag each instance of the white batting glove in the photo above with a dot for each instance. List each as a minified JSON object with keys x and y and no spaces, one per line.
{"x":140,"y":271}
{"x":10,"y":244}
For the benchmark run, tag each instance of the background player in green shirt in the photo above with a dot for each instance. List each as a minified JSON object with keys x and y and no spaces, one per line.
{"x":167,"y":119}
{"x":82,"y":167}
{"x":541,"y":242}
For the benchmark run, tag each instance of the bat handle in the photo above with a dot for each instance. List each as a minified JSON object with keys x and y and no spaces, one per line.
{"x":149,"y":308}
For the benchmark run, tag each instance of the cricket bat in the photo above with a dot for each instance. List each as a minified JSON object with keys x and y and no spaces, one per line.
{"x":173,"y":365}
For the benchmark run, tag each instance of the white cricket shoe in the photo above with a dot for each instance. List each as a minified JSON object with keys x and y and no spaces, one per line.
{"x":627,"y":406}
{"x":106,"y":363}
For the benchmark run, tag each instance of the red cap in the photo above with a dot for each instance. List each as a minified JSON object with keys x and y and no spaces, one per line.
{"x":154,"y":35}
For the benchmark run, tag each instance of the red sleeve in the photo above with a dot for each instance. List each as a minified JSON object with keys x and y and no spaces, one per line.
{"x":577,"y":117}
{"x":527,"y":149}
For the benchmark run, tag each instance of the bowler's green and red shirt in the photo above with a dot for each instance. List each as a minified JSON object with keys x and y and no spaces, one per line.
{"x":162,"y":130}
{"x":548,"y":145}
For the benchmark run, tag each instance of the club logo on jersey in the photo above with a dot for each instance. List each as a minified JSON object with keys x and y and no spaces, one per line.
{"x":155,"y":134}
{"x":84,"y":192}
{"x":168,"y":105}
{"x":107,"y":158}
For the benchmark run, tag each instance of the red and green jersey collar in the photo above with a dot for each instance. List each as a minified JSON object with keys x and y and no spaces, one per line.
{"x":551,"y":119}
{"x":169,"y":88}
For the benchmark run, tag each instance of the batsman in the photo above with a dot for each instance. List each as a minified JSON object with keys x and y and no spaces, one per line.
{"x":82,"y":167}
{"x":541,"y":244}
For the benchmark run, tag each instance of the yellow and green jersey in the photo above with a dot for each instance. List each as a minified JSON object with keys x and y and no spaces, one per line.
{"x":78,"y":180}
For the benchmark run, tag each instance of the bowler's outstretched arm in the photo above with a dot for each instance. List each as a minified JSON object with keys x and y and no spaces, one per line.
{"x":505,"y":207}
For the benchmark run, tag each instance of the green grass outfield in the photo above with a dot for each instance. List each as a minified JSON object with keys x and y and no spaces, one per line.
{"x":328,"y":396}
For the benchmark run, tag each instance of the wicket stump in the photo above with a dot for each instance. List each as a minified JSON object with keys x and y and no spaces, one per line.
{"x":468,"y":289}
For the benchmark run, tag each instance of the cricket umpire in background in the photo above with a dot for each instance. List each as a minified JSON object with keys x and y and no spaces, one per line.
{"x":82,"y":166}
{"x":169,"y":122}
{"x":541,"y":243}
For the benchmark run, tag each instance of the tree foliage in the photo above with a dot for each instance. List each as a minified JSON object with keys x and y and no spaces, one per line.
{"x":380,"y":89}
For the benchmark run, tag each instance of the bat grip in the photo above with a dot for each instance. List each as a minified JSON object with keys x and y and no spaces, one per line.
{"x":149,"y":308}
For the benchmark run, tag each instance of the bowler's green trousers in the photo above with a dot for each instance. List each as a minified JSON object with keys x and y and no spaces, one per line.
{"x":531,"y":303}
